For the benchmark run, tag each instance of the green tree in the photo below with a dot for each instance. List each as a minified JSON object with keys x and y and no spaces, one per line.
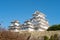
{"x":46,"y":38}
{"x":56,"y":37}
{"x":54,"y":28}
{"x":51,"y":38}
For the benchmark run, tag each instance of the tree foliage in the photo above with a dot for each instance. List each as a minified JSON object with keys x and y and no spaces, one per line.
{"x":51,"y":38}
{"x":54,"y":28}
{"x":54,"y":37}
{"x":46,"y":38}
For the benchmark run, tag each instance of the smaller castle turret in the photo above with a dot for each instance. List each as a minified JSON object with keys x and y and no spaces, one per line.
{"x":15,"y":26}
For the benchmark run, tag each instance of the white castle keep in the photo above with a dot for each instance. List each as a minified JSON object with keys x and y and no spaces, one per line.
{"x":37,"y":23}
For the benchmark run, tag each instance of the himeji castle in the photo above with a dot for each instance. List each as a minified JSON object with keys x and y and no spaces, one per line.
{"x":38,"y":22}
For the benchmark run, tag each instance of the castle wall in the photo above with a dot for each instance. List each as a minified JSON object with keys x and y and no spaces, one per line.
{"x":39,"y":35}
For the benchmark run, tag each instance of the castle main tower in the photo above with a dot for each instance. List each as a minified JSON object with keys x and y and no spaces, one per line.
{"x":39,"y":21}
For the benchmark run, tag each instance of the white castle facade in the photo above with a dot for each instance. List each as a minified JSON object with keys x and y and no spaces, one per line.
{"x":37,"y":23}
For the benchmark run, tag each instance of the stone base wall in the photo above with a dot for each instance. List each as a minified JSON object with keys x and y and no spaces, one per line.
{"x":42,"y":33}
{"x":39,"y":35}
{"x":26,"y":35}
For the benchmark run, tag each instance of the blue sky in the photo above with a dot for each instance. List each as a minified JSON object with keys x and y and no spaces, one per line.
{"x":23,"y":9}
